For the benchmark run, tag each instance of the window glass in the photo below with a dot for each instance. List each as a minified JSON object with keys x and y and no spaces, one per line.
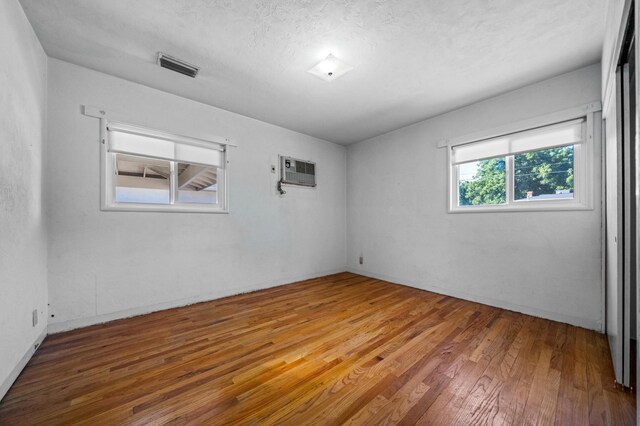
{"x":544,"y":175}
{"x":151,"y":170}
{"x":549,"y":167}
{"x":482,"y":182}
{"x":141,"y":180}
{"x":197,"y":184}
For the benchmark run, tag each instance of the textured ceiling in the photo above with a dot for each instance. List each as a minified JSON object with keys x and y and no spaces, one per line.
{"x":412,"y":59}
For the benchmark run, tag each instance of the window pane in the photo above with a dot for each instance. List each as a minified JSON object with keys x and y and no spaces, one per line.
{"x":142,"y":180}
{"x":197,"y":184}
{"x":544,"y":175}
{"x":482,"y":182}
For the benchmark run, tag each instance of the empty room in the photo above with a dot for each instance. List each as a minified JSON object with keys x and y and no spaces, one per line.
{"x":365,"y":212}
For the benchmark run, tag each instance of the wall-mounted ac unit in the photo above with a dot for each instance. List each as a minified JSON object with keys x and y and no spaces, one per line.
{"x":297,"y":172}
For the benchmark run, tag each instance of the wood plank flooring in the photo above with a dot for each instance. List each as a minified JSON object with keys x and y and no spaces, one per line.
{"x":342,"y":349}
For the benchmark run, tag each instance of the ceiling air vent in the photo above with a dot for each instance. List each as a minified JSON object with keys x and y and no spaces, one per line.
{"x":177,"y":65}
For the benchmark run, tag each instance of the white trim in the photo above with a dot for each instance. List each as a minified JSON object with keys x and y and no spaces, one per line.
{"x":173,"y":182}
{"x":603,"y":225}
{"x":528,"y":310}
{"x":127,"y":313}
{"x":93,"y":111}
{"x":520,"y":126}
{"x":509,"y":169}
{"x":224,"y":180}
{"x":162,"y":208}
{"x":609,"y":84}
{"x":545,"y":206}
{"x":13,"y":375}
{"x":588,"y":151}
{"x":107,"y":192}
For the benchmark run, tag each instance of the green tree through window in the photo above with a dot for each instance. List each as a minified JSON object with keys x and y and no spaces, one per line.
{"x":543,"y":172}
{"x":488,"y":185}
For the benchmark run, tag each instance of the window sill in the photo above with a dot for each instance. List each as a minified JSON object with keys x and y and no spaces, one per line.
{"x":574,"y":206}
{"x":159,"y":208}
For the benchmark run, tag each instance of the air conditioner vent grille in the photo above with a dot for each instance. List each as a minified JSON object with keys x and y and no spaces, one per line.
{"x":306,"y":168}
{"x":177,"y":65}
{"x":297,"y":172}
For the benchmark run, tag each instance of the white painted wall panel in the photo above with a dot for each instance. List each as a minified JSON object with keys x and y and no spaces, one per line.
{"x":106,"y":265}
{"x":23,"y":283}
{"x":543,"y":263}
{"x":611,"y":221}
{"x":614,"y":30}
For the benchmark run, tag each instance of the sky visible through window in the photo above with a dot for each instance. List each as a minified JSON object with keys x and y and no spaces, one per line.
{"x":468,"y":170}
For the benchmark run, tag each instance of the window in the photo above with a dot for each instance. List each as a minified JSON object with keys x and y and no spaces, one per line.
{"x":150,"y":170}
{"x":541,"y":168}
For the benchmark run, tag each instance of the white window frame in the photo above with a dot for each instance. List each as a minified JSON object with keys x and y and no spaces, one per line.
{"x":583,"y":165}
{"x":107,"y":171}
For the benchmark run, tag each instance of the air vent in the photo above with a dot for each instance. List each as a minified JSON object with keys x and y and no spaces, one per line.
{"x":173,"y":64}
{"x":297,"y":172}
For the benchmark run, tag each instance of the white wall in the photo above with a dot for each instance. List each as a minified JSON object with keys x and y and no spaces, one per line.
{"x":105,"y":265}
{"x":544,"y":263}
{"x":613,"y":35}
{"x":22,"y":233}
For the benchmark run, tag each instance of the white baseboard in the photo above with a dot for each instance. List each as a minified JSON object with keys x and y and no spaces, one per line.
{"x":541,"y":313}
{"x":127,"y":313}
{"x":6,"y":384}
{"x":99,"y":319}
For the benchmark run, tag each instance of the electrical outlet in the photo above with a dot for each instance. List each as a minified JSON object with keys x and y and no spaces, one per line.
{"x":361,"y":260}
{"x":34,"y":317}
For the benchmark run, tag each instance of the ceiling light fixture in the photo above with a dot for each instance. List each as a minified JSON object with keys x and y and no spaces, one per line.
{"x":330,"y":68}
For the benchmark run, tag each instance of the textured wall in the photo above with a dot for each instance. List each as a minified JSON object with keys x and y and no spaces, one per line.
{"x":105,"y":265}
{"x":544,"y":263}
{"x":22,"y":234}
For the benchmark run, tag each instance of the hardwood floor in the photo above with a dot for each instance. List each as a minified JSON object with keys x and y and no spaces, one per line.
{"x":342,"y":349}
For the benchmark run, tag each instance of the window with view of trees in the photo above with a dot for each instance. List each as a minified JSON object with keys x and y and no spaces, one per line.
{"x":531,"y":168}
